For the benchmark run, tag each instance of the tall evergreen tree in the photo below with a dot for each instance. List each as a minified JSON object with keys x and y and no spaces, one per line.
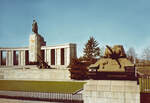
{"x":91,"y":50}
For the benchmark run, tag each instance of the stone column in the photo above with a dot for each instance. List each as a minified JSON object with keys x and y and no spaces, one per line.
{"x":7,"y":58}
{"x":12,"y":57}
{"x":0,"y":57}
{"x":45,"y":55}
{"x":68,"y":56}
{"x":22,"y":57}
{"x":19,"y":57}
{"x":49,"y":56}
{"x":9,"y":61}
{"x":65,"y":53}
{"x":58,"y":56}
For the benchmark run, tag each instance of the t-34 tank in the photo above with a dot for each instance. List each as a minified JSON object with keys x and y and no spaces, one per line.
{"x":114,"y":65}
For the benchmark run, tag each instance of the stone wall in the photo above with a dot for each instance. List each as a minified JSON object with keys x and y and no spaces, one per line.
{"x":111,"y":91}
{"x":35,"y":74}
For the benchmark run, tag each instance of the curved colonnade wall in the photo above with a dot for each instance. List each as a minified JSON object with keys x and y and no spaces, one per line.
{"x":58,"y":56}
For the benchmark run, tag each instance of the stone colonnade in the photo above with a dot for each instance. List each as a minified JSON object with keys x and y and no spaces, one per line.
{"x":8,"y":56}
{"x":58,"y":56}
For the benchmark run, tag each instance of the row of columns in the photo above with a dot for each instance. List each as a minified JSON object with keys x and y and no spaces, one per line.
{"x":9,"y":57}
{"x":60,"y":56}
{"x":47,"y":54}
{"x":57,"y":56}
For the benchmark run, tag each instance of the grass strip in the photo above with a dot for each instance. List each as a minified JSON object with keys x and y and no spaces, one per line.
{"x":41,"y":86}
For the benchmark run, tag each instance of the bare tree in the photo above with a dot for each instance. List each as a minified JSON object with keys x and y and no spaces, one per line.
{"x":131,"y":54}
{"x":146,"y":53}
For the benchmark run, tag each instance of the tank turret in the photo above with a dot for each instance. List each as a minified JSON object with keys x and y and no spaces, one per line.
{"x":116,"y":52}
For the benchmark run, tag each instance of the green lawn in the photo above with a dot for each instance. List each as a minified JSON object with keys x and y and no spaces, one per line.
{"x":41,"y":86}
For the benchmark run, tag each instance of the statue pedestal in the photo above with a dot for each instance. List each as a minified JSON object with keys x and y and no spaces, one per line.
{"x":34,"y":48}
{"x":35,"y":43}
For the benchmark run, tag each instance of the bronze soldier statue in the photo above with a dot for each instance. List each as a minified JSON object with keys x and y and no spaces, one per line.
{"x":35,"y":27}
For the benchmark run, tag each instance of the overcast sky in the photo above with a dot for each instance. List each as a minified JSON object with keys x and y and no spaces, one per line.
{"x":110,"y":22}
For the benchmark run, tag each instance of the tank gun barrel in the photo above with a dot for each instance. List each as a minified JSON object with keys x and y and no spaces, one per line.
{"x":113,"y":55}
{"x":110,"y":49}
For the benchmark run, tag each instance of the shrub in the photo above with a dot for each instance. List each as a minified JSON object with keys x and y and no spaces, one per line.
{"x":78,"y":69}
